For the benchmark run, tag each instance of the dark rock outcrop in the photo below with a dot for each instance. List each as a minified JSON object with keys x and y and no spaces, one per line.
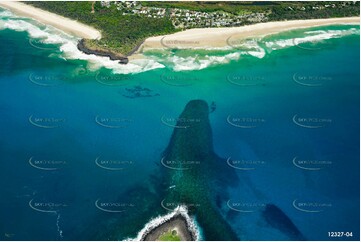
{"x":276,"y":218}
{"x":197,"y":170}
{"x":112,"y":55}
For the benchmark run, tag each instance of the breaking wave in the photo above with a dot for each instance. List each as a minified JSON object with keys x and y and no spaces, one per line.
{"x":316,"y":36}
{"x":154,"y":223}
{"x":65,"y":47}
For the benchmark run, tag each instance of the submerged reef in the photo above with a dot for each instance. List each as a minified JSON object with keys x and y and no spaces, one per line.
{"x":277,"y":219}
{"x":184,"y":197}
{"x":196,"y":173}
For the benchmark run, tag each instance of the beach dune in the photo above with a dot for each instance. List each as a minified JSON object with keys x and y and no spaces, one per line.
{"x":67,"y":25}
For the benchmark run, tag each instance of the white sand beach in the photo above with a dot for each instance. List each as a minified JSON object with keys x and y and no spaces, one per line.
{"x":192,"y":38}
{"x":67,"y":25}
{"x":217,"y":37}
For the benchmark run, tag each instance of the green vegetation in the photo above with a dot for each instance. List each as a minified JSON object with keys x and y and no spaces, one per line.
{"x":314,"y":10}
{"x":121,"y":34}
{"x":277,"y":10}
{"x":170,"y":236}
{"x":229,"y":7}
{"x":125,"y":25}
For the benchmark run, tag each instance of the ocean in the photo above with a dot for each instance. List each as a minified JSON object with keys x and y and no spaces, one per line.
{"x":82,"y":136}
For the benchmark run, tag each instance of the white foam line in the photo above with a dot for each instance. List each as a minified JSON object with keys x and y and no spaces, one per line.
{"x":69,"y":50}
{"x":58,"y":226}
{"x":253,"y":49}
{"x":154,"y":223}
{"x":318,"y":36}
{"x":65,"y":24}
{"x":6,"y":13}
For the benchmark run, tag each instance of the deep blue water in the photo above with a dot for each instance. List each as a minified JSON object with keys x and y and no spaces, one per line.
{"x":51,"y":109}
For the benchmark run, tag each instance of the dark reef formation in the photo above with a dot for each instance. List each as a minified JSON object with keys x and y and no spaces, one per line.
{"x":192,"y":175}
{"x":200,"y":174}
{"x":100,"y":52}
{"x":139,"y":91}
{"x":275,"y":217}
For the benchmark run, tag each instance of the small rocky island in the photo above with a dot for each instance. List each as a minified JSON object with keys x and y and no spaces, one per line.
{"x":175,"y":226}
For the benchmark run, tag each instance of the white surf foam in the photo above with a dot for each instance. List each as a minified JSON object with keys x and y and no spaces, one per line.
{"x":45,"y":35}
{"x":182,"y":210}
{"x":197,"y":62}
{"x":68,"y":46}
{"x":5,"y":13}
{"x":70,"y":51}
{"x":313,"y":37}
{"x":259,"y":54}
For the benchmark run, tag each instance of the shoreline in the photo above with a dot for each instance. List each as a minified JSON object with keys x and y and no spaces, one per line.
{"x":178,"y":220}
{"x":100,"y":52}
{"x":197,"y":38}
{"x":177,"y":223}
{"x":203,"y":38}
{"x":67,"y":25}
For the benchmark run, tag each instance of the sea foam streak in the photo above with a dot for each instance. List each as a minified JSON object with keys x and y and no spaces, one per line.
{"x":312,"y":37}
{"x":67,"y":46}
{"x":6,"y":13}
{"x":154,"y":223}
{"x":257,"y":48}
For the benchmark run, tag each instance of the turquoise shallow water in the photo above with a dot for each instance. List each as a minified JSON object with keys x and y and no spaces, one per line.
{"x":71,"y":138}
